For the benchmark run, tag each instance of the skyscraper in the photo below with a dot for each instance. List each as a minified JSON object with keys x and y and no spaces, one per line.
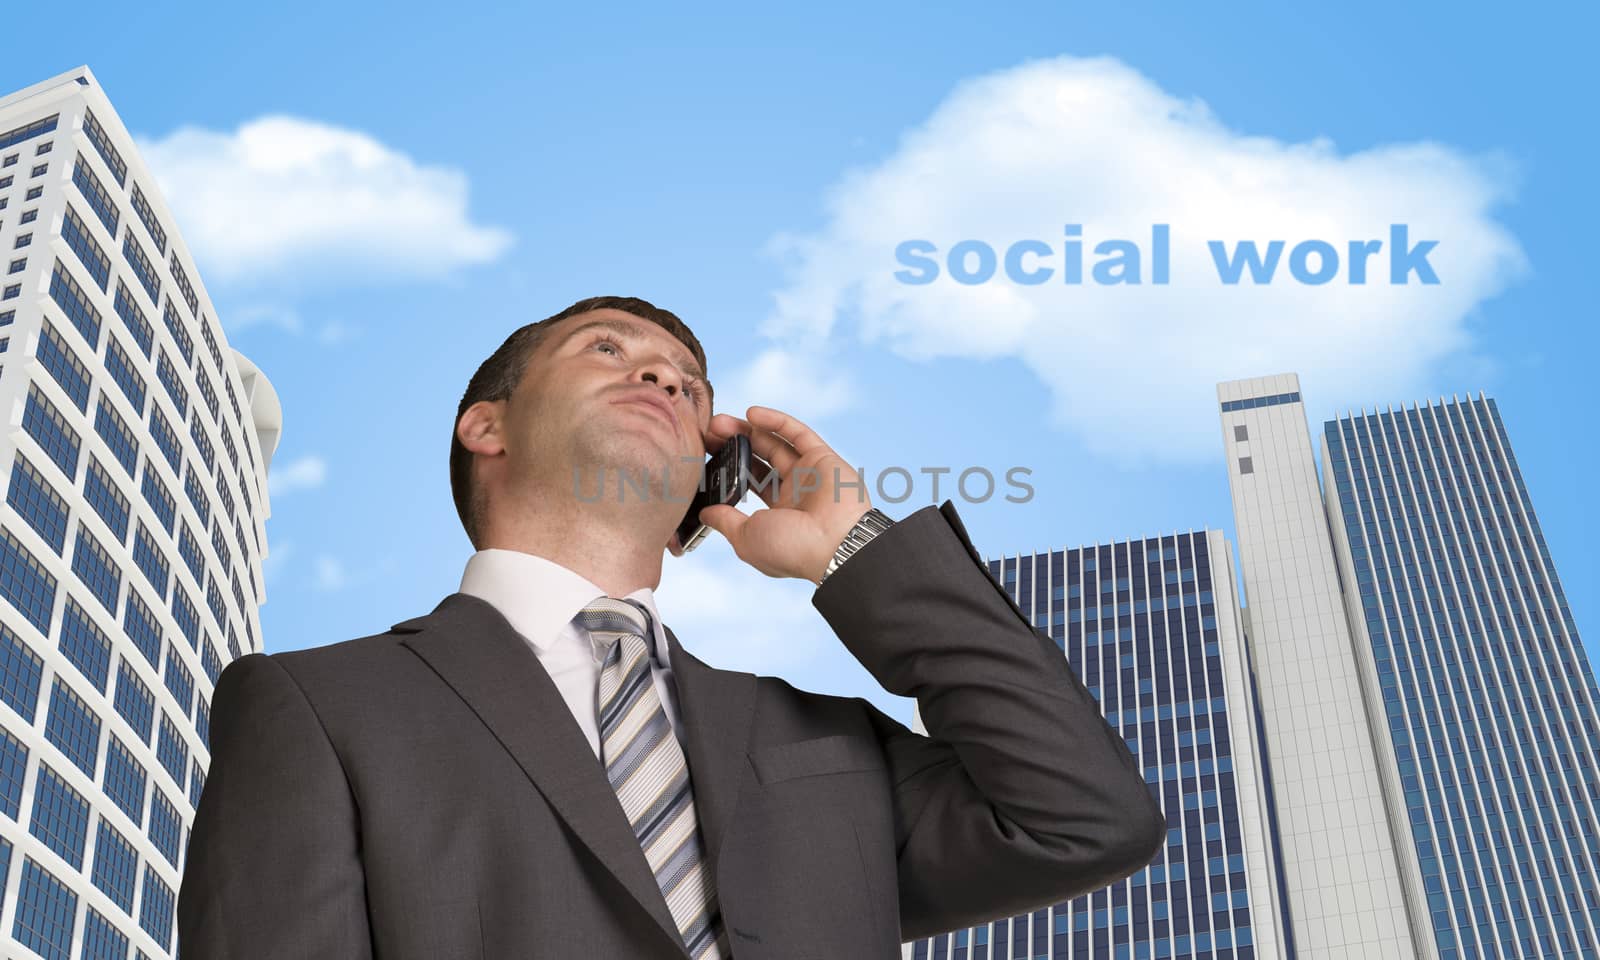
{"x":1339,"y":850}
{"x":1151,"y":627}
{"x":1476,"y":680}
{"x":1406,"y":614}
{"x":136,"y":449}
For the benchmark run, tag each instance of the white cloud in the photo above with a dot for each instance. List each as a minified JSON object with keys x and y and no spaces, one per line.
{"x":1019,"y":153}
{"x":306,"y":473}
{"x":330,"y":573}
{"x":273,"y":563}
{"x":797,"y":380}
{"x":283,"y":195}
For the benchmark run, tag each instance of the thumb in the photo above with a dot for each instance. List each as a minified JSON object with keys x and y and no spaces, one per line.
{"x":724,"y":519}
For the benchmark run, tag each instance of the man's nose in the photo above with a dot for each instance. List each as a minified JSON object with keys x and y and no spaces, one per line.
{"x":665,"y":376}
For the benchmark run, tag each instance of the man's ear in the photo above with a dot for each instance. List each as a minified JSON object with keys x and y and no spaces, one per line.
{"x":479,"y":429}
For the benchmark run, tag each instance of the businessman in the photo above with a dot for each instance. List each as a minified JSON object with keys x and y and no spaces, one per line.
{"x":538,"y":767}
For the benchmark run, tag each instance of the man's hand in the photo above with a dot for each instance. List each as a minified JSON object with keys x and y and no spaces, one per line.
{"x":814,"y":497}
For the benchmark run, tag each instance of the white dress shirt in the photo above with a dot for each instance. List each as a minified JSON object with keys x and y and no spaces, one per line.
{"x":539,"y":598}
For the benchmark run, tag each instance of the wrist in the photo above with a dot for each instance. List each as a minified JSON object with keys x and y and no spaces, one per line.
{"x":871,"y":523}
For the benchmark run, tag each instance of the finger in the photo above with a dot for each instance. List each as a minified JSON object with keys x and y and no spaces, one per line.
{"x":764,"y":481}
{"x":800,"y":437}
{"x":774,"y":450}
{"x":725,"y":520}
{"x":720,"y":429}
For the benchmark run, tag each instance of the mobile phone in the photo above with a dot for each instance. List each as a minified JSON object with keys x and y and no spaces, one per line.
{"x":726,"y":479}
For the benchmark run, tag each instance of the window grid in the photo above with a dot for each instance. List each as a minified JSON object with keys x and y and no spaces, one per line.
{"x":135,"y":703}
{"x":101,"y":940}
{"x":196,"y":491}
{"x":116,"y":864}
{"x":171,"y":750}
{"x":73,"y":726}
{"x":85,"y":645}
{"x":148,"y":558}
{"x":101,"y":491}
{"x":94,"y":566}
{"x":66,"y":293}
{"x":142,"y":270}
{"x":78,"y":239}
{"x":125,"y":780}
{"x":102,"y":145}
{"x":147,"y":216}
{"x":155,"y":908}
{"x":179,"y":680}
{"x":25,"y":583}
{"x":125,"y":375}
{"x":60,"y":816}
{"x":46,"y":425}
{"x":63,"y":365}
{"x":186,"y":614}
{"x":13,"y":769}
{"x":189,"y":550}
{"x":46,"y":908}
{"x":133,"y":317}
{"x":117,"y":435}
{"x":21,"y":675}
{"x":184,"y":287}
{"x":180,"y":334}
{"x":167,"y":373}
{"x":165,"y":825}
{"x":160,"y":499}
{"x":139,"y":623}
{"x":36,"y":502}
{"x":166,"y":438}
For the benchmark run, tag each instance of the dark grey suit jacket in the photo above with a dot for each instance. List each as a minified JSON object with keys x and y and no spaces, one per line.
{"x":425,"y":794}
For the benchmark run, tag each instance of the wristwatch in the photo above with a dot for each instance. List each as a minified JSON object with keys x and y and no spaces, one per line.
{"x":872,"y":523}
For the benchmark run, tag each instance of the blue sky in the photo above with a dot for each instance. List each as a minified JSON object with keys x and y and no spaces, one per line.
{"x":742,"y":168}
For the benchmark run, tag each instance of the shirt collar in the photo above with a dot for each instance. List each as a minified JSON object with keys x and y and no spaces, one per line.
{"x":540,"y":597}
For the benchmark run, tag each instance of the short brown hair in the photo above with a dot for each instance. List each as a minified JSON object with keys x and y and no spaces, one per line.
{"x":498,"y":377}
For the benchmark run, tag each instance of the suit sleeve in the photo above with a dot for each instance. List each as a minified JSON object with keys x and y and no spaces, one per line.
{"x":273,"y":869}
{"x":1021,"y":795}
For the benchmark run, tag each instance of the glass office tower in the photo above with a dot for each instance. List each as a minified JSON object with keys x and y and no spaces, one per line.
{"x":1152,"y":627}
{"x":1477,"y":682}
{"x":135,"y":454}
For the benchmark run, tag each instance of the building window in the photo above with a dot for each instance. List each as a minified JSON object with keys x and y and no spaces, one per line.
{"x":44,"y":148}
{"x":179,"y":680}
{"x":102,"y":145}
{"x":147,"y":216}
{"x":219,"y":543}
{"x":95,"y":567}
{"x":202,"y":441}
{"x":147,"y":557}
{"x":101,"y":940}
{"x":115,"y":432}
{"x":165,"y":826}
{"x":166,"y":438}
{"x":73,"y":726}
{"x":184,"y":287}
{"x":21,"y":674}
{"x":133,"y":317}
{"x":13,"y":768}
{"x":58,"y":358}
{"x":155,"y":908}
{"x":12,"y":292}
{"x":146,"y":274}
{"x":195,"y":488}
{"x":214,"y":601}
{"x":75,"y":304}
{"x":124,"y":783}
{"x":188,"y":617}
{"x":38,"y":170}
{"x":60,"y":816}
{"x":85,"y":645}
{"x":135,"y":703}
{"x":9,"y":161}
{"x":1239,"y":432}
{"x":33,"y":193}
{"x":140,"y":626}
{"x":46,"y":911}
{"x":1245,"y":466}
{"x":45,"y":424}
{"x":101,"y":491}
{"x":167,"y":373}
{"x":25,"y":583}
{"x":23,"y":240}
{"x":197,"y":783}
{"x":189,"y":551}
{"x":99,"y":201}
{"x":76,"y":233}
{"x":160,"y":500}
{"x":122,"y":371}
{"x":18,"y":265}
{"x":171,"y":750}
{"x":37,"y":503}
{"x":115,"y":864}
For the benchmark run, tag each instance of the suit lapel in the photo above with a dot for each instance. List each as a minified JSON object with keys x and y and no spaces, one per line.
{"x":715,"y":707}
{"x":474,"y":650}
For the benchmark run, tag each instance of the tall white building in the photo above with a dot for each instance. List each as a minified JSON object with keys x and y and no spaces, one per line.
{"x":1152,"y":628}
{"x":1341,"y":854}
{"x":135,"y":454}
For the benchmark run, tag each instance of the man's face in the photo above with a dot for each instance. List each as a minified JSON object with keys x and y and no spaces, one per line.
{"x":582,"y":404}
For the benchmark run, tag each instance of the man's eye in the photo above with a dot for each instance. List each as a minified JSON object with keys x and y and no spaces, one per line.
{"x":607,"y":341}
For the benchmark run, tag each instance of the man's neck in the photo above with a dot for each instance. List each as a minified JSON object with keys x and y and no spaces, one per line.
{"x":617,"y":547}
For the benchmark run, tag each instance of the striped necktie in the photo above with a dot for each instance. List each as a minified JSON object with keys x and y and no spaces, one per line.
{"x":647,"y":769}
